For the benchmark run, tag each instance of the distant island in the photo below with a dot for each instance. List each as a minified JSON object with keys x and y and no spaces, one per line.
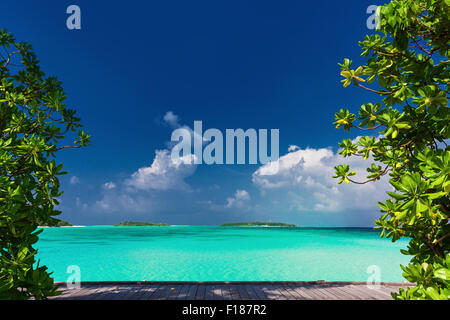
{"x":55,"y":223}
{"x":140,"y":224}
{"x":257,"y":224}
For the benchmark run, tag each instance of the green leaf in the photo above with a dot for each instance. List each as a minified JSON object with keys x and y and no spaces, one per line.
{"x":442,"y":273}
{"x":433,"y":293}
{"x":397,"y":196}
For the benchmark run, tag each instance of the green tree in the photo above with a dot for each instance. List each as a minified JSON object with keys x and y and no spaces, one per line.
{"x":407,"y":66}
{"x":34,"y":123}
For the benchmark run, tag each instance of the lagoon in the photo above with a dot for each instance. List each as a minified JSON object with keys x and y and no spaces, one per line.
{"x":213,"y":253}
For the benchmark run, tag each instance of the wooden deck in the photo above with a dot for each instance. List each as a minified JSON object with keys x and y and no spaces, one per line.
{"x":228,"y":291}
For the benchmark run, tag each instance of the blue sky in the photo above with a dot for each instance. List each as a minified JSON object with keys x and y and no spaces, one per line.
{"x":137,"y":69}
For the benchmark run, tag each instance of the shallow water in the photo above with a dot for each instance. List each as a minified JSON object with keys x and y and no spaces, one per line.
{"x":210,"y":253}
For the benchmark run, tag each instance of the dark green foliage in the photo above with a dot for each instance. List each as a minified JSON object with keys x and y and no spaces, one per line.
{"x":256,"y":224}
{"x":408,"y":69}
{"x":33,"y":122}
{"x":53,"y":222}
{"x":140,"y":224}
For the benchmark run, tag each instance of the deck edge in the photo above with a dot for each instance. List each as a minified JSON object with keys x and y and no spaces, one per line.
{"x":318,"y":282}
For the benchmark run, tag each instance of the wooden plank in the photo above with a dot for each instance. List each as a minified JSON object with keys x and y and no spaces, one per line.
{"x":226,"y":293}
{"x":367,"y":293}
{"x":279,"y":289}
{"x":81,"y":292}
{"x":285,"y":292}
{"x":107,"y":293}
{"x":110,"y":294}
{"x":234,"y":292}
{"x":200,"y":295}
{"x":259,"y":292}
{"x":139,"y":291}
{"x":67,"y":293}
{"x":300,"y":291}
{"x":148,"y":292}
{"x":75,"y":293}
{"x":99,"y":293}
{"x":162,"y":293}
{"x":342,"y":294}
{"x":217,"y":293}
{"x":380,"y":293}
{"x":268,"y":292}
{"x":350,"y":292}
{"x":294,"y":293}
{"x":174,"y":290}
{"x":133,"y":291}
{"x":331,"y":294}
{"x":242,"y":292}
{"x":387,"y":295}
{"x":390,"y":289}
{"x":251,"y":292}
{"x":84,"y":293}
{"x":125,"y":292}
{"x":182,"y":295}
{"x":319,"y":289}
{"x":209,"y":294}
{"x":272,"y":293}
{"x":192,"y":292}
{"x":211,"y":291}
{"x":312,"y":291}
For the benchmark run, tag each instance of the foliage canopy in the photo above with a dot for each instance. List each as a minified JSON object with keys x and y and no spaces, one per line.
{"x":34,"y":123}
{"x":407,"y":66}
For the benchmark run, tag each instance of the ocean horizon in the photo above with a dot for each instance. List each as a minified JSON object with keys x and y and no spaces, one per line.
{"x":217,"y":253}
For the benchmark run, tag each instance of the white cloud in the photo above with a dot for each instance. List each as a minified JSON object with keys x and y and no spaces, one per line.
{"x":109,"y":185}
{"x":171,"y":119}
{"x":74,"y":180}
{"x":240,"y":197}
{"x":164,"y":173}
{"x":293,"y":148}
{"x":303,"y":178}
{"x":146,"y":187}
{"x":174,"y":122}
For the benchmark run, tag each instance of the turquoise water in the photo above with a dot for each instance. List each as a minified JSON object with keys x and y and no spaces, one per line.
{"x":204,"y":253}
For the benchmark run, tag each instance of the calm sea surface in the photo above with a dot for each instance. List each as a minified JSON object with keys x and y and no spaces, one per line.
{"x":203,"y":253}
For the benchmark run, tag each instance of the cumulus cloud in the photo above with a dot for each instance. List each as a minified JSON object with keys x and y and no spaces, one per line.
{"x":240,"y":197}
{"x":293,"y":148}
{"x":171,"y":119}
{"x":303,"y":179}
{"x":164,"y":173}
{"x":109,"y":185}
{"x":138,"y":192}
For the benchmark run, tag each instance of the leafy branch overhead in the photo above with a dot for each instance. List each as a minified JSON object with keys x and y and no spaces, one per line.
{"x":407,"y":68}
{"x":34,"y":123}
